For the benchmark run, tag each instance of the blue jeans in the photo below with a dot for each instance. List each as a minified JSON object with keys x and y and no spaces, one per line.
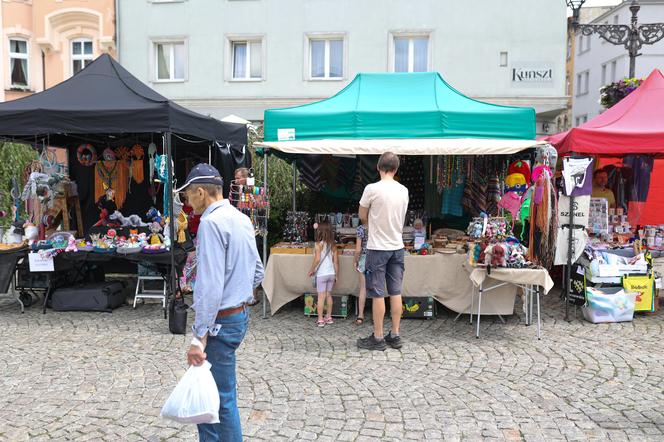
{"x":220,"y":352}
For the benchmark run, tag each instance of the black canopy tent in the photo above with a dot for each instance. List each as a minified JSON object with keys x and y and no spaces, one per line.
{"x":105,"y":104}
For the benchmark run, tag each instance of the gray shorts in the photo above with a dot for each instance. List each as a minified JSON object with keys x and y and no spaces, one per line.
{"x":384,"y":267}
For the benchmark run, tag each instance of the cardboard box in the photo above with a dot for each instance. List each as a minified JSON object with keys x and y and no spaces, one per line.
{"x":418,"y":307}
{"x":340,"y":305}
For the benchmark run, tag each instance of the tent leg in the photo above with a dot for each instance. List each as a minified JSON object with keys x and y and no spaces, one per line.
{"x":266,"y":184}
{"x":168,"y":148}
{"x":294,"y":185}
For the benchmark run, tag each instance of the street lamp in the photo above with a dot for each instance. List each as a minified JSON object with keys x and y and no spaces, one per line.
{"x":633,"y":37}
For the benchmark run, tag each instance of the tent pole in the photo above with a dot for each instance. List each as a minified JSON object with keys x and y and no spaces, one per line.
{"x":294,"y":185}
{"x":267,"y":214}
{"x":168,"y":148}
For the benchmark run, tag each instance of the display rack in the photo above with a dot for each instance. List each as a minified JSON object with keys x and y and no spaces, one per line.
{"x":253,"y":201}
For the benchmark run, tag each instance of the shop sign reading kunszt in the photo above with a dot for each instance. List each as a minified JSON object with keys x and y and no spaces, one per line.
{"x":532,"y":73}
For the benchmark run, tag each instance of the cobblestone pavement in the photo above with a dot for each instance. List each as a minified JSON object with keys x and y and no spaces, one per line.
{"x":88,"y":376}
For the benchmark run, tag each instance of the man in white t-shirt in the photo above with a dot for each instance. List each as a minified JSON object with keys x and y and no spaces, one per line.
{"x":383,"y":207}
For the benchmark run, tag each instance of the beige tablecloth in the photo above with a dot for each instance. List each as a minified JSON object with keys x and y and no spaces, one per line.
{"x":538,"y":277}
{"x":443,"y":276}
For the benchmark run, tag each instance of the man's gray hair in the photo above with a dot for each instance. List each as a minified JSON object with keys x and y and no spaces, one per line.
{"x":213,"y":190}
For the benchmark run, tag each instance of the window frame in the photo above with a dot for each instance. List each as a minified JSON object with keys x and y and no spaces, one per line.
{"x":583,"y":80}
{"x":393,"y":35}
{"x":231,"y":40}
{"x":154,"y":53}
{"x":82,"y":55}
{"x":309,"y":37}
{"x":18,"y":55}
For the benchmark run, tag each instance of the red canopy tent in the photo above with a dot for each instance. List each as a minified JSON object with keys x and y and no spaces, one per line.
{"x":633,"y":126}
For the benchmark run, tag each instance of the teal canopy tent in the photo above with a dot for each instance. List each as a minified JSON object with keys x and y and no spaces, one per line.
{"x":407,"y":113}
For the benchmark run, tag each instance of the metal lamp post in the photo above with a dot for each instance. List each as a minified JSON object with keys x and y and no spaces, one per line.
{"x":633,"y":37}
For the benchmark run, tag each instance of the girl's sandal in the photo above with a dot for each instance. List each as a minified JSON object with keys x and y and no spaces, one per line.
{"x":320,"y":323}
{"x":359,"y":321}
{"x":329,"y":320}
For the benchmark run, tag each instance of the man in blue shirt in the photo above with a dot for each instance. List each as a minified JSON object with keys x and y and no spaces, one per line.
{"x":228,"y":269}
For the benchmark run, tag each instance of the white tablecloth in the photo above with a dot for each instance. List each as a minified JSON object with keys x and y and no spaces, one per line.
{"x":443,"y":276}
{"x":537,"y":277}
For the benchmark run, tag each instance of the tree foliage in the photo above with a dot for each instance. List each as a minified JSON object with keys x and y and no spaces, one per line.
{"x":14,"y":158}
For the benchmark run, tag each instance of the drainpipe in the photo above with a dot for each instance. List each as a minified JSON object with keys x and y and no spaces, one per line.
{"x":43,"y":70}
{"x":117,"y":29}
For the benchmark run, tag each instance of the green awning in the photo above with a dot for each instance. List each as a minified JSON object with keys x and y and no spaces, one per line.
{"x":400,"y":106}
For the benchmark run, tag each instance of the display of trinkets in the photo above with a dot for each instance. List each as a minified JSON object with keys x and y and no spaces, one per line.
{"x":296,"y":227}
{"x":484,"y":227}
{"x":254,"y":202}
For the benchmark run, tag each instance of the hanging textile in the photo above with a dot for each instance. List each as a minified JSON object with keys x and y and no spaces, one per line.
{"x":365,"y":172}
{"x":474,"y":196}
{"x":451,"y":196}
{"x":411,"y":175}
{"x":161,"y":164}
{"x":113,"y":174}
{"x":543,"y":222}
{"x":493,"y":195}
{"x":137,"y":163}
{"x":310,"y":172}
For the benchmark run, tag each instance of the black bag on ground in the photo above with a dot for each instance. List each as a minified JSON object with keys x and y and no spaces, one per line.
{"x":91,"y":297}
{"x":177,"y":317}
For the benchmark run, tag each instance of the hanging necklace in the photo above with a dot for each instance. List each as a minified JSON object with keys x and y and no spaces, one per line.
{"x":106,"y":175}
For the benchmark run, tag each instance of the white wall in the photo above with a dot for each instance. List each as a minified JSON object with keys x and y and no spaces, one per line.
{"x":601,"y":52}
{"x":467,"y":38}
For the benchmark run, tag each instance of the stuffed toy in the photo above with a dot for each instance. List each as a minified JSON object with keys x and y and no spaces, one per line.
{"x":498,"y":256}
{"x":521,"y":167}
{"x":71,"y":245}
{"x":154,"y":215}
{"x":155,"y":237}
{"x":130,"y":221}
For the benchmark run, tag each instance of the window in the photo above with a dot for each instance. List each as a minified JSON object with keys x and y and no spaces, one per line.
{"x":614,"y":66}
{"x":326,"y":58}
{"x":81,"y":54}
{"x":603,"y":74}
{"x":247,"y":60}
{"x":171,"y":61}
{"x":581,"y":119}
{"x":18,"y":62}
{"x":503,"y":59}
{"x":411,"y":53}
{"x":582,"y":81}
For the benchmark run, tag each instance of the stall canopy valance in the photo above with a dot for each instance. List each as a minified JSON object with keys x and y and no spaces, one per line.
{"x":412,"y":113}
{"x":633,"y":126}
{"x":105,"y":98}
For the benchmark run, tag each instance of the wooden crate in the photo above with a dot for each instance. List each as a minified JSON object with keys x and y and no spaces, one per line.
{"x":287,"y":248}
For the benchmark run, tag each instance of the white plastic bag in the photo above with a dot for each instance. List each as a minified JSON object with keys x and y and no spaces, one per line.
{"x":195,"y":399}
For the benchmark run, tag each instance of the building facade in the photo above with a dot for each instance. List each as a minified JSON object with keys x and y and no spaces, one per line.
{"x":241,"y":57}
{"x":598,"y":63}
{"x":47,"y":41}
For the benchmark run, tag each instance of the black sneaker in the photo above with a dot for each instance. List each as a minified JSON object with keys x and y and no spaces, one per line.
{"x":371,"y":343}
{"x":393,"y":341}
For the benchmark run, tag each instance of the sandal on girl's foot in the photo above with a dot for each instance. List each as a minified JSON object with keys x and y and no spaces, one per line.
{"x":320,"y":323}
{"x":359,"y":321}
{"x":329,"y":320}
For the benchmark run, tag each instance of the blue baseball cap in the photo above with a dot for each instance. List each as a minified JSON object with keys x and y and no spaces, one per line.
{"x":202,"y":174}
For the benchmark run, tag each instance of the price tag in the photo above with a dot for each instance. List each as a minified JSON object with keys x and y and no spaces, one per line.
{"x":40,"y":263}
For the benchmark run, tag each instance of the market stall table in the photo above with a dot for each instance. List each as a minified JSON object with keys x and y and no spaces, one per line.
{"x":530,"y":280}
{"x":442,"y":276}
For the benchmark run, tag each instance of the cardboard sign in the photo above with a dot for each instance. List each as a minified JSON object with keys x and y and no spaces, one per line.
{"x":581,"y":210}
{"x":644,"y":286}
{"x":39,"y":263}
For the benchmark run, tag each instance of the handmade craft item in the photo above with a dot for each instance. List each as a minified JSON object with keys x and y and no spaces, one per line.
{"x":137,"y":155}
{"x":155,"y":237}
{"x":112,"y":174}
{"x":86,"y":155}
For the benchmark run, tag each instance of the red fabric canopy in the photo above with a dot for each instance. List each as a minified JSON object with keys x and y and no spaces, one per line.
{"x":633,"y":126}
